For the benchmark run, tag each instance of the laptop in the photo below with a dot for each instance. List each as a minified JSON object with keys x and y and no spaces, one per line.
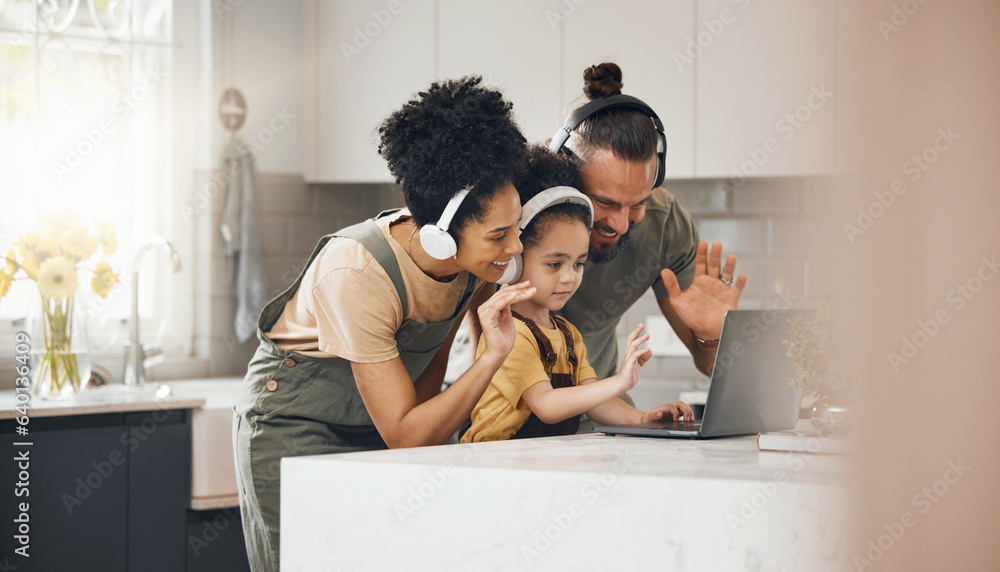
{"x":749,"y":391}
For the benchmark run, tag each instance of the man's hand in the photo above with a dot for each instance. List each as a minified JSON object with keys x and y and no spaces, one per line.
{"x":703,"y":305}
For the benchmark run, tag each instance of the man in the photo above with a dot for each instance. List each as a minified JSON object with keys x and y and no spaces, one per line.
{"x":641,"y":236}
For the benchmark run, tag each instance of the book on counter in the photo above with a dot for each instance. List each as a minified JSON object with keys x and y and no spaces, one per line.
{"x":803,"y":439}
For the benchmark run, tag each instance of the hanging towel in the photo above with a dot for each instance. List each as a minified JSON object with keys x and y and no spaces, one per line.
{"x":242,"y":238}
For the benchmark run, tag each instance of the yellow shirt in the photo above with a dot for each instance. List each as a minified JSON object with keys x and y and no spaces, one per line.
{"x":501,"y":411}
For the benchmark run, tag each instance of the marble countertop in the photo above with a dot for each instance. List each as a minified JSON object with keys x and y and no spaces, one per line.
{"x":581,"y":502}
{"x":108,"y":403}
{"x":210,"y":393}
{"x":732,"y":458}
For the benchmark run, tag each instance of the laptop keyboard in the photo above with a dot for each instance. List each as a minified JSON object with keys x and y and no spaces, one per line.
{"x":679,"y":425}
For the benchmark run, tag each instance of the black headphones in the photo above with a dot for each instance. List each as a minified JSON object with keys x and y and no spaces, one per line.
{"x":616,"y":101}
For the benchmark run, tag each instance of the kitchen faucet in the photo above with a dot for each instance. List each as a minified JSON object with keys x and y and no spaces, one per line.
{"x":135,"y":370}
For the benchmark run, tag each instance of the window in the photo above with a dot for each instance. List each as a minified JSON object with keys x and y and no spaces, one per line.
{"x":85,"y":124}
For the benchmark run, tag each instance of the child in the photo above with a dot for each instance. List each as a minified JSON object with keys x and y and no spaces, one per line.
{"x":546,"y":382}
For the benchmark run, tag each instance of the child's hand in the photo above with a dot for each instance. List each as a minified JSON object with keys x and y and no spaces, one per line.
{"x":672,"y":411}
{"x":635,"y":358}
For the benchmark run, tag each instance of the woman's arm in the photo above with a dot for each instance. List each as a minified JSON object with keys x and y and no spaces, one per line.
{"x":429,"y":382}
{"x":391,"y":397}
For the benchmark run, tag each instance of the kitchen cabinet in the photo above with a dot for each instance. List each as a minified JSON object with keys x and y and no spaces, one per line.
{"x":766,"y":81}
{"x":745,"y":88}
{"x":514,"y":45}
{"x":215,"y":541}
{"x":364,"y":59}
{"x":105,"y":492}
{"x":642,"y":39}
{"x":123,"y":478}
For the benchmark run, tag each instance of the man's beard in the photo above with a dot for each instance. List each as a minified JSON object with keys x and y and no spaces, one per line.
{"x":602,"y":256}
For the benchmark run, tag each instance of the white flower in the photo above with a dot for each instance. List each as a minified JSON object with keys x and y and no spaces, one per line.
{"x":57,"y":277}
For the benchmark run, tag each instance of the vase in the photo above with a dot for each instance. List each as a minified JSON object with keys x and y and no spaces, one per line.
{"x":60,"y":348}
{"x":830,"y":415}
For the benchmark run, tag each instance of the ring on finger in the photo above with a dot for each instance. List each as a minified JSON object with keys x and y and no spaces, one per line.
{"x":726,"y":281}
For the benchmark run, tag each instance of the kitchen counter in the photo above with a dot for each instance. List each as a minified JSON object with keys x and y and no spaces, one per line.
{"x":583,"y":502}
{"x":213,"y":479}
{"x":151,"y":466}
{"x":93,"y":401}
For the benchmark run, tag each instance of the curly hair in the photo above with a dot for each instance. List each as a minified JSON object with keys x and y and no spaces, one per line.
{"x":454,"y":135}
{"x":543,"y":170}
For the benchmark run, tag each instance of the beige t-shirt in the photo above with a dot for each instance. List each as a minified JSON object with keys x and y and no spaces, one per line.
{"x":347,"y":306}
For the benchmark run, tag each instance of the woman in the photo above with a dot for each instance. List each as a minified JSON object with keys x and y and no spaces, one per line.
{"x":353,"y":354}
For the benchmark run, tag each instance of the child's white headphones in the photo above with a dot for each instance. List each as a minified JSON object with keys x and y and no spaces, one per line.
{"x":434,"y":238}
{"x":538,"y":203}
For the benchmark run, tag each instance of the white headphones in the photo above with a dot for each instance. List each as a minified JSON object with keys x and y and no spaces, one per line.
{"x":434,"y":238}
{"x":538,"y":203}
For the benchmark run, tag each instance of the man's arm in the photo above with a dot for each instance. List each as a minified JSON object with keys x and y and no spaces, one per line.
{"x":704,"y":358}
{"x":700,"y":310}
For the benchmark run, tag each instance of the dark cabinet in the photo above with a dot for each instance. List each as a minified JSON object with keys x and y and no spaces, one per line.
{"x":104,"y":492}
{"x":215,"y":541}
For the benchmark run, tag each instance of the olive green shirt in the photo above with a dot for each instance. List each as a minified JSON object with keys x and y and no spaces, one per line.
{"x":665,"y":238}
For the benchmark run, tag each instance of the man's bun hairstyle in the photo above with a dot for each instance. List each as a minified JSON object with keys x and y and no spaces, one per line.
{"x":454,"y":135}
{"x":629,"y":134}
{"x":544,"y":170}
{"x":602,"y":80}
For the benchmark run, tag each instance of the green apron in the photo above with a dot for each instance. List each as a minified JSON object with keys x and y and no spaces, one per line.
{"x":293,"y":405}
